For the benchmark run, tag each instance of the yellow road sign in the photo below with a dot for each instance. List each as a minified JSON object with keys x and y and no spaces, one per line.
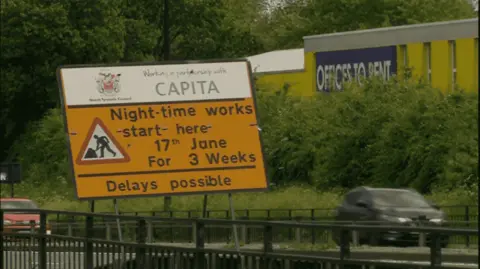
{"x":143,"y":130}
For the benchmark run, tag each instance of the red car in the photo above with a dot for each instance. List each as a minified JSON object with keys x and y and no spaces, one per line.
{"x":20,"y":222}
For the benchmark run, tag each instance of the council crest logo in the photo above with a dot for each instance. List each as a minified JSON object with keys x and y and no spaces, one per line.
{"x":108,"y":84}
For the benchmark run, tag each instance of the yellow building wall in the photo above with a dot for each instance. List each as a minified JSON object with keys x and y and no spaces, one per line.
{"x":441,"y":65}
{"x":311,"y":71}
{"x":475,"y":74}
{"x":275,"y":81}
{"x":416,"y":60}
{"x":400,"y":61}
{"x":303,"y":83}
{"x":466,"y":64}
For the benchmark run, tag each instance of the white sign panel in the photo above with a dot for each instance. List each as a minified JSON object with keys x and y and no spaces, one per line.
{"x":155,"y":83}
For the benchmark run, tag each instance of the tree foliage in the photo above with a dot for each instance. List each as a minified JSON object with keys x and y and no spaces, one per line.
{"x":43,"y":154}
{"x":298,"y":18}
{"x":394,"y":134}
{"x":37,"y":36}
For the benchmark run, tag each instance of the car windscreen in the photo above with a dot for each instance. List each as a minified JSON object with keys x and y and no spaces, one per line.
{"x":18,"y":205}
{"x":398,"y":198}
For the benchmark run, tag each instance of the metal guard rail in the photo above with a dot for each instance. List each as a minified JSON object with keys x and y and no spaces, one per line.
{"x":199,"y":225}
{"x":463,"y":211}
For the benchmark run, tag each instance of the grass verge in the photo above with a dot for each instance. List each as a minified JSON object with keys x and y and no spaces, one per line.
{"x":293,"y":197}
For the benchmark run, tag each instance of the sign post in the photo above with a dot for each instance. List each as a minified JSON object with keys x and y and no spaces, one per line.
{"x":10,"y":173}
{"x":119,"y":227}
{"x":141,"y":130}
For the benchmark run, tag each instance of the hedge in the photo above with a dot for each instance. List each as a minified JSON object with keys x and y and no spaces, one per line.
{"x":394,"y":134}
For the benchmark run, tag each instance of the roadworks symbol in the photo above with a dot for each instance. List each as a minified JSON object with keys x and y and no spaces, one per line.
{"x":101,"y":147}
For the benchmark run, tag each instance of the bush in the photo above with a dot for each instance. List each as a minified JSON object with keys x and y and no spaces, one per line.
{"x":42,"y":151}
{"x":395,"y":134}
{"x":287,"y":122}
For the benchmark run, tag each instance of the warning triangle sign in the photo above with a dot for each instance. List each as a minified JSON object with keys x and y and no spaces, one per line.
{"x":101,"y":147}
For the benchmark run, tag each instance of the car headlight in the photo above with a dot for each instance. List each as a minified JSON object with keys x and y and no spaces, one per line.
{"x":7,"y":222}
{"x":394,"y":219}
{"x":437,"y":221}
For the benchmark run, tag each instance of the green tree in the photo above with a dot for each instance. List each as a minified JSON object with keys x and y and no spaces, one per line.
{"x":36,"y":38}
{"x":198,"y":29}
{"x":289,"y":23}
{"x":42,"y":151}
{"x":208,"y":30}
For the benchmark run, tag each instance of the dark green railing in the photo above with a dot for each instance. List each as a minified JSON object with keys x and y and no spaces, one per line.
{"x":88,"y":249}
{"x":454,"y":213}
{"x":217,"y":234}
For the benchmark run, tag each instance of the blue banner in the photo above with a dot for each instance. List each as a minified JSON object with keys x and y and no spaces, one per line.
{"x":337,"y":67}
